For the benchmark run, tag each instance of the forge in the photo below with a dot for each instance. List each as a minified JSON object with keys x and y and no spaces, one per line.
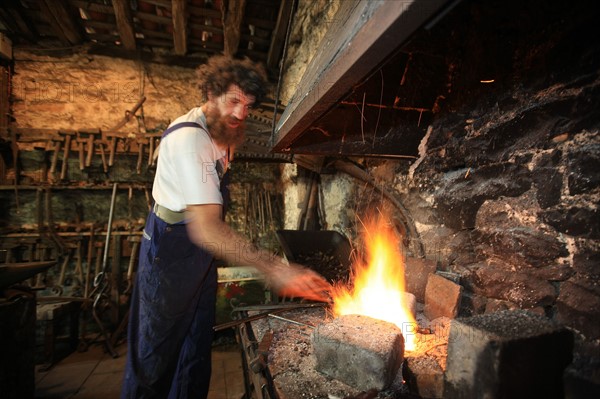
{"x":308,"y":353}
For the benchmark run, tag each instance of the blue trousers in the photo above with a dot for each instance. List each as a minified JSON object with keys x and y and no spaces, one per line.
{"x":171,"y":317}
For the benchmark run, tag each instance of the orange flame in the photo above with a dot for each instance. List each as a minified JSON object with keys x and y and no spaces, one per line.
{"x":377,"y":289}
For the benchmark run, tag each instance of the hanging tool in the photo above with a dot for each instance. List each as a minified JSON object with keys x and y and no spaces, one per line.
{"x":103,"y":157}
{"x":140,"y":159}
{"x":128,"y":116}
{"x":151,"y":146}
{"x":57,"y":147}
{"x":88,"y":137}
{"x":66,"y":153}
{"x":112,"y":148}
{"x":101,"y":282}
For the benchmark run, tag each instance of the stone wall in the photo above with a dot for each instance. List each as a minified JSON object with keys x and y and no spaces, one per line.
{"x":84,"y":91}
{"x":310,"y":24}
{"x":506,"y":190}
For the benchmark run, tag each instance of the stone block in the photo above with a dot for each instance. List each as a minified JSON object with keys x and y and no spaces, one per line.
{"x":442,"y":297}
{"x":508,"y":354}
{"x":417,"y":273}
{"x":424,"y":377}
{"x":360,"y":351}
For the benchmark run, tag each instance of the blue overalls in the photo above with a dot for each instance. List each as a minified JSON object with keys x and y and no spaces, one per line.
{"x":172,"y":314}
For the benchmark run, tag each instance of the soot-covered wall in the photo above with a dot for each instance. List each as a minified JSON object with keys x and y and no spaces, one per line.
{"x":505,"y":191}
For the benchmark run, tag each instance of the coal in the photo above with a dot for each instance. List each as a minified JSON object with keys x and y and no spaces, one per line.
{"x":360,"y":351}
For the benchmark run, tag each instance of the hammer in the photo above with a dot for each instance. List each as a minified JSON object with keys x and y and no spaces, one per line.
{"x":66,"y":152}
{"x":112,"y":148}
{"x":57,"y":145}
{"x":89,"y":136}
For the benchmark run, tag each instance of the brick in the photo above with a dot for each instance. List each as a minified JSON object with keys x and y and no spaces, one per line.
{"x":417,"y":273}
{"x":358,"y":350}
{"x":506,"y":354}
{"x":442,"y":297}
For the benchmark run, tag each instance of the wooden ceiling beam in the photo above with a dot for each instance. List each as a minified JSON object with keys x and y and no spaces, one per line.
{"x":14,"y":21}
{"x":124,"y":23}
{"x":89,"y":6}
{"x":233,"y":16}
{"x":205,"y":12}
{"x":279,"y":34}
{"x":180,"y":27}
{"x":61,"y":21}
{"x":355,"y":47}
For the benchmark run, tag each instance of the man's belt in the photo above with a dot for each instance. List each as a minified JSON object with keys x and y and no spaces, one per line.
{"x":167,"y":215}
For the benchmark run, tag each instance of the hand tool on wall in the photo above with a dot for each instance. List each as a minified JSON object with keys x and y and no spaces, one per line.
{"x":115,"y":277}
{"x":57,"y":147}
{"x":89,"y":137}
{"x":66,"y":153}
{"x":90,"y":253}
{"x":101,"y":282}
{"x":103,"y":157}
{"x":140,"y":159}
{"x":151,"y":147}
{"x":81,"y":145}
{"x":112,"y":148}
{"x":135,"y":244}
{"x":128,"y":116}
{"x":79,"y":264}
{"x":110,"y":133}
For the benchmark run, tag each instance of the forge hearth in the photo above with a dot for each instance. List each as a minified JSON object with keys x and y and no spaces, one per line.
{"x":502,"y":354}
{"x":288,"y":362}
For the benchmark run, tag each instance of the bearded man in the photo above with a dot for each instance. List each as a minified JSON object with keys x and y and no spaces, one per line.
{"x":172,"y":310}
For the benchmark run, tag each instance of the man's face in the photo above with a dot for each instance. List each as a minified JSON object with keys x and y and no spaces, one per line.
{"x":225,"y":115}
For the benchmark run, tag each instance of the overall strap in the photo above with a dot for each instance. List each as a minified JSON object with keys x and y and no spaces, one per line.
{"x":180,"y":125}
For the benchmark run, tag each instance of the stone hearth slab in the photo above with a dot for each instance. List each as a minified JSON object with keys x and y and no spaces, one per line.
{"x":358,"y":350}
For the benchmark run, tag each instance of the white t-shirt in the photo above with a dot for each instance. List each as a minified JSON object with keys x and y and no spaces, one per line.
{"x":186,"y":171}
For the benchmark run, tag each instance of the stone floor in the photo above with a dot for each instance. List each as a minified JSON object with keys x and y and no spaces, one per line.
{"x":95,"y":374}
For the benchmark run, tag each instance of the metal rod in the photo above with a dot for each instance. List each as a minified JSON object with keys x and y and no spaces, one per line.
{"x":262,"y":315}
{"x":109,"y":227}
{"x":299,"y":323}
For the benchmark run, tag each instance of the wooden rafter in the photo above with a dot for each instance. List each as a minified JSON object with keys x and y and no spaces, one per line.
{"x":59,"y":18}
{"x":11,"y":15}
{"x":279,"y":33}
{"x":233,"y":16}
{"x":124,"y":23}
{"x":178,"y":10}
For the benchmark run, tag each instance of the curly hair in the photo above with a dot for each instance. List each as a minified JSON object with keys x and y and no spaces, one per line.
{"x":220,"y":72}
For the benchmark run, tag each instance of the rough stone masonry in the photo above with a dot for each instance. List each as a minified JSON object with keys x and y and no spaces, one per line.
{"x":509,"y":354}
{"x":360,"y":351}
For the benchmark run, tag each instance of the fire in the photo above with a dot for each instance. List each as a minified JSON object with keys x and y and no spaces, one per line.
{"x":377,"y":288}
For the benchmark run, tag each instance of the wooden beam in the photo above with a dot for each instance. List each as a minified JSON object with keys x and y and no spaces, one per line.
{"x":233,"y":16}
{"x":89,"y":6}
{"x":364,"y":34}
{"x":124,"y":23}
{"x":61,"y":21}
{"x":12,"y":17}
{"x":279,"y":34}
{"x":180,"y":28}
{"x":204,"y":12}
